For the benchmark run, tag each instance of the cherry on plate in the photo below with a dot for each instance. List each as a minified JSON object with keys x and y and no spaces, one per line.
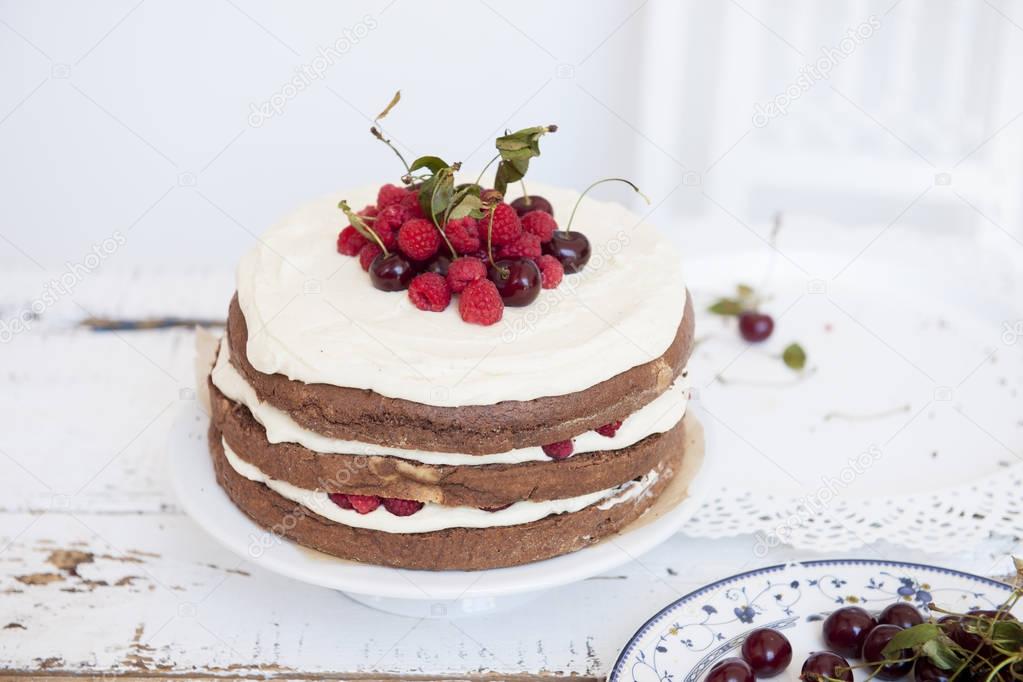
{"x":873,"y":646}
{"x":391,"y":273}
{"x":731,"y":670}
{"x":517,"y":279}
{"x":825,"y":664}
{"x":900,"y":613}
{"x":767,"y":651}
{"x":754,"y":326}
{"x":571,"y":248}
{"x":845,"y":630}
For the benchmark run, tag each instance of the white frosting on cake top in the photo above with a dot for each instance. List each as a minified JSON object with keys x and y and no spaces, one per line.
{"x":314,"y":316}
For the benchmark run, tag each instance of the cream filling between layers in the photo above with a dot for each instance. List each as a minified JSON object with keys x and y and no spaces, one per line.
{"x":314,"y":317}
{"x":660,"y":415}
{"x":433,"y":517}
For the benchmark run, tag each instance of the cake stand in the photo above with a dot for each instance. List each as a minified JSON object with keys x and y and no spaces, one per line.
{"x":420,"y":594}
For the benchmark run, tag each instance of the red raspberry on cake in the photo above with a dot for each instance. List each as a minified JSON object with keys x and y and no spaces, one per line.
{"x":464,"y":271}
{"x":506,"y":226}
{"x":369,"y":211}
{"x":389,"y":195}
{"x":411,"y":205}
{"x":463,"y":234}
{"x":480,"y":303}
{"x":387,"y":224}
{"x":609,"y":430}
{"x":367,"y":253}
{"x":525,"y":246}
{"x":539,"y":223}
{"x":418,"y":239}
{"x":341,"y":500}
{"x":551,"y":271}
{"x":364,"y":504}
{"x":560,"y":450}
{"x":429,"y":291}
{"x":400,"y":507}
{"x":350,"y":242}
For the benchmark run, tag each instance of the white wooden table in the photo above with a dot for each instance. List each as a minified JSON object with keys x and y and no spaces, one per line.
{"x":101,"y":573}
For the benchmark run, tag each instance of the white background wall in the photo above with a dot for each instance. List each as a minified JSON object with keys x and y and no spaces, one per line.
{"x":137,"y":116}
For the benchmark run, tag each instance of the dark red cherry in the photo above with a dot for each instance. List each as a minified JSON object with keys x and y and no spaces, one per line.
{"x":391,"y":273}
{"x":438,"y":264}
{"x":900,"y":613}
{"x":925,"y":671}
{"x":731,"y":670}
{"x":755,"y":326}
{"x":767,"y":651}
{"x":532,"y":202}
{"x":953,"y":627}
{"x":824,"y":664}
{"x":873,"y":646}
{"x":571,"y":248}
{"x":845,"y":630}
{"x":517,"y":279}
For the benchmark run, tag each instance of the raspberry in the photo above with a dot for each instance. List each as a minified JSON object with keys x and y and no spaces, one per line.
{"x":419,"y":239}
{"x":525,"y":246}
{"x":341,"y":500}
{"x":387,"y":223}
{"x":350,"y":241}
{"x":364,"y":504}
{"x":367,"y":254}
{"x":411,"y":205}
{"x":560,"y":450}
{"x":388,"y":195}
{"x":611,"y":429}
{"x":370,"y":211}
{"x":463,"y":234}
{"x":400,"y":507}
{"x":464,"y":271}
{"x":429,"y":291}
{"x":551,"y":271}
{"x":480,"y":303}
{"x":506,"y":228}
{"x":539,"y":223}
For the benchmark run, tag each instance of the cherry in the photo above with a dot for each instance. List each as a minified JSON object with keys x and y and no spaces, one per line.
{"x":873,"y":646}
{"x":438,"y":264}
{"x":755,"y":326}
{"x":731,"y":670}
{"x":925,"y":671}
{"x":824,"y":664}
{"x":953,"y":627}
{"x":902,"y":614}
{"x":767,"y":651}
{"x":845,"y":630}
{"x":571,"y":248}
{"x":532,"y":202}
{"x":391,"y":273}
{"x":518,"y":280}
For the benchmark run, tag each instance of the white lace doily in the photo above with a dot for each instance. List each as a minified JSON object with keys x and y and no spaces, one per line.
{"x":905,"y":426}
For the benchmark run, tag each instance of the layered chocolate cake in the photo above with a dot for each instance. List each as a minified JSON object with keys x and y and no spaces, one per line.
{"x":477,"y":389}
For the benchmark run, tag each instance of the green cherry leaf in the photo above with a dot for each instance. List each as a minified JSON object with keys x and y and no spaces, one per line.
{"x":468,"y":205}
{"x":910,"y":638}
{"x":727,"y":307}
{"x":744,"y":291}
{"x":433,"y":163}
{"x":795,"y":358}
{"x":360,"y":225}
{"x":941,"y":654}
{"x":509,"y":172}
{"x":390,"y":105}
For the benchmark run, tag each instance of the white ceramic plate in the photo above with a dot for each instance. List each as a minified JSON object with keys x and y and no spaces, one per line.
{"x":418,"y":593}
{"x":687,"y":637}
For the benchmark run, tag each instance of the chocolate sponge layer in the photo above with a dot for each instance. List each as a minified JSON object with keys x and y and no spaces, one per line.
{"x":488,"y":485}
{"x":368,"y":417}
{"x":453,"y":548}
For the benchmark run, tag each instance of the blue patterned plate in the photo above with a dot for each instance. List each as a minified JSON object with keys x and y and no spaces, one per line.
{"x":687,"y":637}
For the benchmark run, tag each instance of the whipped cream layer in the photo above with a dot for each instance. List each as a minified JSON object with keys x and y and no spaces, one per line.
{"x":314,"y":316}
{"x":658,"y":416}
{"x":433,"y":517}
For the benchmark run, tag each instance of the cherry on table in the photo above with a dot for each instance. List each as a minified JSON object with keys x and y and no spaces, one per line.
{"x":873,"y":646}
{"x":767,"y":651}
{"x":845,"y":629}
{"x":731,"y":670}
{"x":532,"y":202}
{"x":392,"y":272}
{"x":755,"y":326}
{"x":825,"y":664}
{"x":571,"y":248}
{"x":902,"y":614}
{"x":517,"y":279}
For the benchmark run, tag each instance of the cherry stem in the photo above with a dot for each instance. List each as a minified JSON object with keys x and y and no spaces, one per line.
{"x":433,"y":215}
{"x":600,"y":182}
{"x":490,"y":231}
{"x":380,"y":136}
{"x":361,"y":227}
{"x":525,"y":193}
{"x":489,"y":164}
